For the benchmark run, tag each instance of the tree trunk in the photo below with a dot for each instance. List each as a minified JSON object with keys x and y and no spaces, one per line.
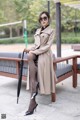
{"x":10,"y":28}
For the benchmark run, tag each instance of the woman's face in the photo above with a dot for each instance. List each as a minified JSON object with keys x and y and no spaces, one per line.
{"x":44,"y":21}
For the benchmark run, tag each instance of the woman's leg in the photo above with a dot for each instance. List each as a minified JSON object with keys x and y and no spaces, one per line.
{"x":33,"y":73}
{"x":32,"y":61}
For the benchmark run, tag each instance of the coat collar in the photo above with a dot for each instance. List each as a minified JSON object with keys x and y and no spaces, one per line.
{"x":47,"y":30}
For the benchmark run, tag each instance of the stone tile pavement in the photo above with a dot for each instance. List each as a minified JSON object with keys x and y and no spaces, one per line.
{"x":66,"y":107}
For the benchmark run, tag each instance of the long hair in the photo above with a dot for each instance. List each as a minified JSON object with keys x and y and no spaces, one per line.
{"x":44,"y":12}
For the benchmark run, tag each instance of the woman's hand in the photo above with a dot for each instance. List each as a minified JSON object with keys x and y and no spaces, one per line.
{"x":30,"y":51}
{"x":26,"y":50}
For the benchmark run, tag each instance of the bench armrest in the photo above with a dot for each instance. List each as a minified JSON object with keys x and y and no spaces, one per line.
{"x":57,"y":60}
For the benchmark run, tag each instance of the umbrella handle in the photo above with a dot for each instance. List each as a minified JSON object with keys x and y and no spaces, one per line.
{"x":22,"y":55}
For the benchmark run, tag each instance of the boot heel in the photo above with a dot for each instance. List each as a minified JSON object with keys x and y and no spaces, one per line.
{"x":36,"y":107}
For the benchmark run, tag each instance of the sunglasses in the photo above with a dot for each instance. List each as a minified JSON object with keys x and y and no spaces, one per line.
{"x":43,"y":18}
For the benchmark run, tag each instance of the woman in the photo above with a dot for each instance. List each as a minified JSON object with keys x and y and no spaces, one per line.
{"x":41,"y":73}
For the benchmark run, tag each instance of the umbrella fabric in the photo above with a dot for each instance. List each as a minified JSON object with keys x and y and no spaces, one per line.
{"x":20,"y":77}
{"x":21,"y":65}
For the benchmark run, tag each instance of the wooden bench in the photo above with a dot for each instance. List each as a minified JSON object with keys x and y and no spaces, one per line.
{"x":63,"y":67}
{"x":10,"y":65}
{"x":65,"y":70}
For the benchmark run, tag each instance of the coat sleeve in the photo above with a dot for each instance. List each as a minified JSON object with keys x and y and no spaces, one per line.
{"x":36,"y":42}
{"x":47,"y":46}
{"x":33,"y":48}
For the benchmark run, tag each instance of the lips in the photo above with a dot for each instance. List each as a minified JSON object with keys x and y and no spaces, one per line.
{"x":43,"y":22}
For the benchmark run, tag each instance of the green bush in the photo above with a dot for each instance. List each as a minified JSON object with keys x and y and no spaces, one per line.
{"x":66,"y":38}
{"x":70,"y":40}
{"x":70,"y":37}
{"x":17,"y":40}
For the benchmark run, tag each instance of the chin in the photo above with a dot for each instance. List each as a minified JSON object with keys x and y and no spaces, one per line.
{"x":44,"y":25}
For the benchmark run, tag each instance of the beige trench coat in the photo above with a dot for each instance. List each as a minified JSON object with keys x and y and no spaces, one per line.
{"x":42,"y":47}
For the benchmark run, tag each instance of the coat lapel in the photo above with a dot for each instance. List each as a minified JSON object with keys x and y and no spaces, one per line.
{"x":37,"y":35}
{"x":38,"y":31}
{"x":37,"y":38}
{"x":47,"y":30}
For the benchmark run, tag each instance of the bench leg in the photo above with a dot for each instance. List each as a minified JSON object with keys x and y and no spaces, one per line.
{"x":75,"y":72}
{"x":53,"y":97}
{"x":75,"y":80}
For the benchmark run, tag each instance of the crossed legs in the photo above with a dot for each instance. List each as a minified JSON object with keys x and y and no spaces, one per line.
{"x":34,"y":85}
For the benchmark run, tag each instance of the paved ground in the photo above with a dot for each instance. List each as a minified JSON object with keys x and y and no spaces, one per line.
{"x":66,"y":107}
{"x":20,"y":47}
{"x":66,"y":49}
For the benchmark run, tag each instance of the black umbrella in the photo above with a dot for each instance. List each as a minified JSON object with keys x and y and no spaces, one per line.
{"x":20,"y":77}
{"x":21,"y":65}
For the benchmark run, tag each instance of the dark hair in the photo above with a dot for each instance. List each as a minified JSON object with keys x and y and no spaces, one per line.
{"x":44,"y":12}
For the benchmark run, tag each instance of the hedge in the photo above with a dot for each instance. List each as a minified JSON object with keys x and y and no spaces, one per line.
{"x":67,"y":38}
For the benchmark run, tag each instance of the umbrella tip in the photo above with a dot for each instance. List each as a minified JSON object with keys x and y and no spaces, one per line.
{"x":17,"y":99}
